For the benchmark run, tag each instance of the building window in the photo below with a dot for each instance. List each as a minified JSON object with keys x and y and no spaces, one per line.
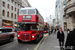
{"x":8,"y":0}
{"x":12,"y":1}
{"x":15,"y":16}
{"x":15,"y":9}
{"x":8,"y":6}
{"x":15,"y":3}
{"x":69,"y":0}
{"x":23,"y":6}
{"x":3,"y":4}
{"x":18,"y":11}
{"x":11,"y":7}
{"x":11,"y":15}
{"x":64,"y":3}
{"x":3,"y":13}
{"x":18,"y":5}
{"x":7,"y":14}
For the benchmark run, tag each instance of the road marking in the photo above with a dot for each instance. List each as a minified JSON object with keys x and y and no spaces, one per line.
{"x":43,"y":42}
{"x":39,"y":42}
{"x":45,"y":34}
{"x":27,"y":49}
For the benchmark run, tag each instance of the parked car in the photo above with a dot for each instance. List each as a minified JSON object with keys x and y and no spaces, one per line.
{"x":6,"y":33}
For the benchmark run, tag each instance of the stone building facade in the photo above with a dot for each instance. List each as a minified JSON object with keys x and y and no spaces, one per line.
{"x":9,"y":11}
{"x":70,"y":13}
{"x":57,"y":14}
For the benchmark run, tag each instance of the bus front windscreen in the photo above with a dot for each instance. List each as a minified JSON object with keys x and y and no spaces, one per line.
{"x":23,"y":27}
{"x":34,"y":27}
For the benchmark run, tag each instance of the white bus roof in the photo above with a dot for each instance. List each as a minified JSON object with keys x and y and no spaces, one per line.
{"x":27,"y":8}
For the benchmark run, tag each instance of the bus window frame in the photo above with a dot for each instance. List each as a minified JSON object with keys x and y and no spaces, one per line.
{"x":22,"y":14}
{"x":27,"y":12}
{"x":33,"y":29}
{"x":32,"y":14}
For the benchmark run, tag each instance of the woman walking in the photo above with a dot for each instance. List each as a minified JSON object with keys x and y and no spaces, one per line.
{"x":60,"y":38}
{"x":68,"y":31}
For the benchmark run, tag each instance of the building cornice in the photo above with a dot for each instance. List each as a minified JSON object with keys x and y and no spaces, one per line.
{"x":18,"y":2}
{"x":69,"y":6}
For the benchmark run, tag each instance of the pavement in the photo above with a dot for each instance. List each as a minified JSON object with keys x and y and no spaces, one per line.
{"x":50,"y":42}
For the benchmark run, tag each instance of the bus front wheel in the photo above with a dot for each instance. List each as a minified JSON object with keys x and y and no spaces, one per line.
{"x":37,"y":39}
{"x":19,"y":41}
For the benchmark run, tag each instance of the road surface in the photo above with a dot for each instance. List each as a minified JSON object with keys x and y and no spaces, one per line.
{"x":20,"y":46}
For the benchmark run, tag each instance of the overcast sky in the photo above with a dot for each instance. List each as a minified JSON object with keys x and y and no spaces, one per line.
{"x":45,"y":7}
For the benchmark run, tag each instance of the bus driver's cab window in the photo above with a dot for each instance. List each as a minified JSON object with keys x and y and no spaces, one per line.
{"x":24,"y":27}
{"x":34,"y":27}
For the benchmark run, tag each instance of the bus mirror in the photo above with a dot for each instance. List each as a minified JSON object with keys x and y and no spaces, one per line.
{"x":37,"y":26}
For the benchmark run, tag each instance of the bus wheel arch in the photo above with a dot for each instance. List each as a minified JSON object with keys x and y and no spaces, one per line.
{"x":37,"y":39}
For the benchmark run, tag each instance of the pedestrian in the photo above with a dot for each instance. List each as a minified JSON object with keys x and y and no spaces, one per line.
{"x":55,"y":30}
{"x":51,"y":30}
{"x":70,"y":41}
{"x":68,"y":31}
{"x":60,"y":38}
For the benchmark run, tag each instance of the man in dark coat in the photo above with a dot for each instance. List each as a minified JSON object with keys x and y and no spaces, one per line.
{"x":51,"y":30}
{"x":55,"y":30}
{"x":70,"y":41}
{"x":60,"y":37}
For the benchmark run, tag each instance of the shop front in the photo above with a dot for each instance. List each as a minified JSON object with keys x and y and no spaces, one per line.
{"x":16,"y":26}
{"x":65,"y":26}
{"x":6,"y":23}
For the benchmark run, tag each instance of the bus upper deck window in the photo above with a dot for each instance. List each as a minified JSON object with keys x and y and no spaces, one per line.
{"x":31,"y":11}
{"x":22,"y":12}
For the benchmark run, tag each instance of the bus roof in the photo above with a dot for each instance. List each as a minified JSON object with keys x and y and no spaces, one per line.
{"x":27,"y":8}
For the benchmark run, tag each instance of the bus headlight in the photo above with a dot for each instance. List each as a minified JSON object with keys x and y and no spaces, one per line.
{"x":18,"y":35}
{"x":32,"y":36}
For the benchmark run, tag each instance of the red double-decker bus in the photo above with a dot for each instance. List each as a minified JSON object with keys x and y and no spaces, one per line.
{"x":46,"y":27}
{"x":30,"y":25}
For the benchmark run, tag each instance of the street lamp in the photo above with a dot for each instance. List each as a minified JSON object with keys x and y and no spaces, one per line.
{"x":50,"y":19}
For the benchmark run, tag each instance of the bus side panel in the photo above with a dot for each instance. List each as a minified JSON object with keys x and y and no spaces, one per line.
{"x":39,"y":20}
{"x":20,"y":18}
{"x":33,"y":18}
